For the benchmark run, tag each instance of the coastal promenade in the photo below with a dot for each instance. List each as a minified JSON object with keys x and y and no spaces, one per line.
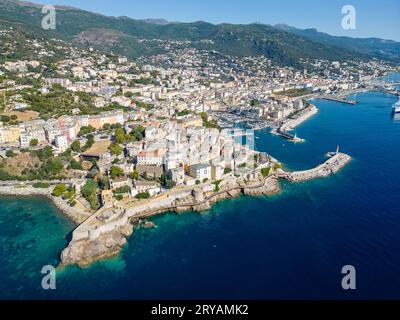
{"x":292,"y":123}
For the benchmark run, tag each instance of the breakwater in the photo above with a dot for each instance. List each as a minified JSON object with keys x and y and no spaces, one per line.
{"x":338,"y":99}
{"x":332,"y":165}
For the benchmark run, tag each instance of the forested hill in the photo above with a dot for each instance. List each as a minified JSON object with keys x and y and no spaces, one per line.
{"x":125,"y":35}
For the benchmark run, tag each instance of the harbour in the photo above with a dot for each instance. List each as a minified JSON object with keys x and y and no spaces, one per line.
{"x":358,"y":198}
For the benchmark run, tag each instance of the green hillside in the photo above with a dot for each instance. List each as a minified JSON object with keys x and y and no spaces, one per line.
{"x":121,"y":35}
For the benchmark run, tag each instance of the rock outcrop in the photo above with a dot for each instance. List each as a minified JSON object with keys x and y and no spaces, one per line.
{"x":86,"y":251}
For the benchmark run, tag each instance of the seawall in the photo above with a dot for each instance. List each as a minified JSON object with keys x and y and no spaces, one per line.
{"x":332,"y":165}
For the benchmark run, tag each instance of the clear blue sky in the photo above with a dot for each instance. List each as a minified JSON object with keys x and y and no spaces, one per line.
{"x":375,"y":18}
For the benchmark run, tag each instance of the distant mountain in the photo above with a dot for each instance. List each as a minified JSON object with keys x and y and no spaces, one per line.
{"x":157,"y":21}
{"x":386,"y":49}
{"x":124,"y":35}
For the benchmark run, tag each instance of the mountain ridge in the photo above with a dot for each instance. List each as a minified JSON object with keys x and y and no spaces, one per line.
{"x":281,"y":46}
{"x":382,"y":48}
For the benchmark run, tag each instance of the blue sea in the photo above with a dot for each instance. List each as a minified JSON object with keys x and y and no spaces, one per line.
{"x":289,"y":246}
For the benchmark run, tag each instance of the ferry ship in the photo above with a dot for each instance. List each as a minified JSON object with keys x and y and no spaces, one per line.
{"x":396,"y":107}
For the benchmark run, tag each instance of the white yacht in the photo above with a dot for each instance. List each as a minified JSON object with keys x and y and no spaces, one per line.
{"x":396,"y":107}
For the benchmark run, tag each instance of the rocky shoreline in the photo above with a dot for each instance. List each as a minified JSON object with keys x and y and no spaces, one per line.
{"x":75,"y":215}
{"x":106,"y":246}
{"x":83,"y":251}
{"x":94,"y":240}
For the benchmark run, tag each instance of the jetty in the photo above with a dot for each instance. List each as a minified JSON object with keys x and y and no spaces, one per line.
{"x":289,"y":136}
{"x":338,"y":99}
{"x":331,"y":166}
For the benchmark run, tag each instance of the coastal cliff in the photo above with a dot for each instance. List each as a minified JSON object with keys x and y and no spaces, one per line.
{"x":94,"y":240}
{"x":103,"y":235}
{"x":86,"y":251}
{"x":90,"y":244}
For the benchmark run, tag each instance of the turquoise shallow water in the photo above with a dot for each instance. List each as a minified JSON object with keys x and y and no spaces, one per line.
{"x":292,"y":245}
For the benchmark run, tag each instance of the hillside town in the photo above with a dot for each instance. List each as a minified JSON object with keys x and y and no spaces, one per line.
{"x":124,"y":130}
{"x":113,"y":141}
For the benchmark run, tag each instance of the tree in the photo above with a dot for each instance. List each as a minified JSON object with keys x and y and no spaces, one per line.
{"x":89,"y":143}
{"x":67,"y":153}
{"x":207,"y":123}
{"x":143,"y":195}
{"x":34,"y":142}
{"x":170,"y":184}
{"x":163,"y":179}
{"x":134,"y":175}
{"x":10,"y":154}
{"x":72,"y":203}
{"x":89,"y":188}
{"x":53,"y":166}
{"x":265,"y":172}
{"x":69,"y":194}
{"x":93,"y":200}
{"x":137,"y":133}
{"x":115,"y":149}
{"x":116,"y":172}
{"x":124,"y":189}
{"x":217,"y":185}
{"x":76,"y":146}
{"x":86,"y":130}
{"x":41,"y":185}
{"x":104,"y":183}
{"x":45,"y":153}
{"x":227,"y":170}
{"x":59,"y":190}
{"x":89,"y":192}
{"x":75,"y":165}
{"x":182,"y":113}
{"x":119,"y":136}
{"x":4,"y":118}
